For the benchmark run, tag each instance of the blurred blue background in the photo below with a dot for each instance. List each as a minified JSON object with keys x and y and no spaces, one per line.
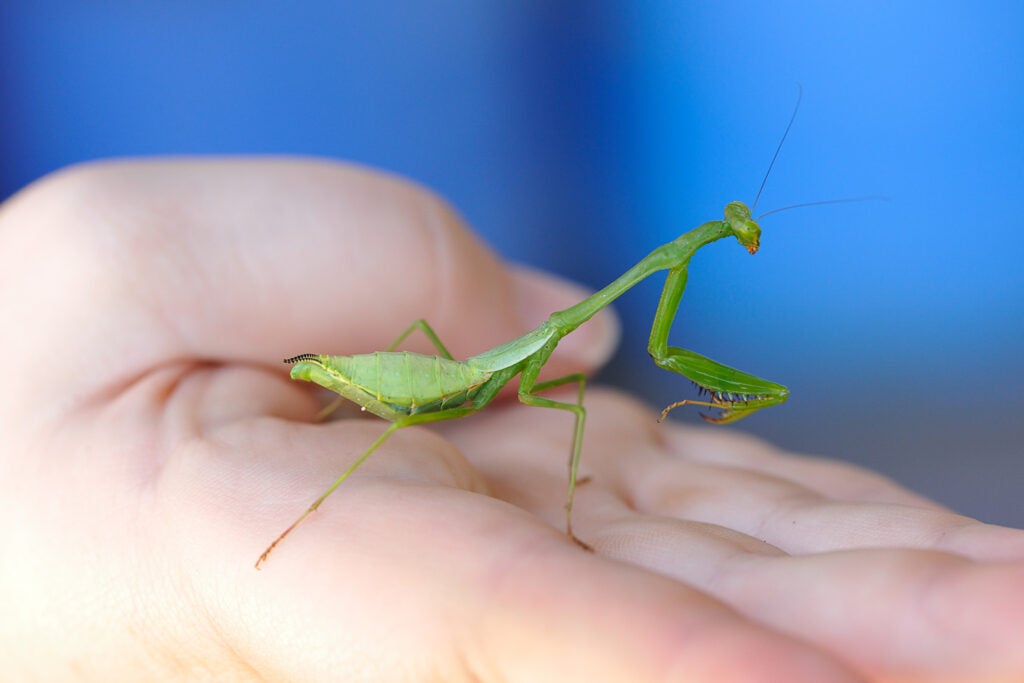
{"x":576,"y":136}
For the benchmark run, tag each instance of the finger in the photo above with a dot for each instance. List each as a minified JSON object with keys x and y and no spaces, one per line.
{"x":788,"y":509}
{"x":831,"y":478}
{"x":150,"y":262}
{"x":899,"y":614}
{"x":638,"y":480}
{"x":609,"y":622}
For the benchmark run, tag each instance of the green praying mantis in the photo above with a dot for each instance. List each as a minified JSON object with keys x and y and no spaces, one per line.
{"x":407,"y":388}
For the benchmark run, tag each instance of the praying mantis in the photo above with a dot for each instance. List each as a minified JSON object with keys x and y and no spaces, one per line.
{"x":407,"y":388}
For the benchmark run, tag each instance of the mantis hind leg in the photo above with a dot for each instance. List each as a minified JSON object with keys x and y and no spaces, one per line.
{"x":528,"y":395}
{"x":406,"y":421}
{"x":392,"y":428}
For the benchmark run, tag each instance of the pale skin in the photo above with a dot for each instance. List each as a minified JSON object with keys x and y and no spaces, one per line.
{"x":151,"y":442}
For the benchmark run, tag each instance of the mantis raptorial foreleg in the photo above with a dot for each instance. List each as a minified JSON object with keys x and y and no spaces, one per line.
{"x":733,"y":392}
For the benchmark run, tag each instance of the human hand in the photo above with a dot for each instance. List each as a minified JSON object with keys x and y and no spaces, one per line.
{"x":152,"y":445}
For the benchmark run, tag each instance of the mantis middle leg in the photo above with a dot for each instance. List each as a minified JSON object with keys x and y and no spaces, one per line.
{"x":528,"y":390}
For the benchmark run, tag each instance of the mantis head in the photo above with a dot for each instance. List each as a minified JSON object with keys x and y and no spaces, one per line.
{"x":745,"y":228}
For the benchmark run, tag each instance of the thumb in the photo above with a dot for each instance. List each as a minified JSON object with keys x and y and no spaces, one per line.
{"x":249,"y":260}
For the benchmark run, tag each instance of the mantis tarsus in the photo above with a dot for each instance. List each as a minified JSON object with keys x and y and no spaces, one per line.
{"x":408,"y":388}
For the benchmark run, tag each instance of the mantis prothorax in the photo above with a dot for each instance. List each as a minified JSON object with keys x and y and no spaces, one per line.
{"x":408,"y":388}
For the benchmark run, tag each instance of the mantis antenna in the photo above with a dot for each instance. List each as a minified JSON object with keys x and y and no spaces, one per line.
{"x":764,"y":181}
{"x":867,"y":198}
{"x":792,"y":117}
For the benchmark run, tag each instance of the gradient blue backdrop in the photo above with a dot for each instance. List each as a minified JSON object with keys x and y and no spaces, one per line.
{"x":578,"y":135}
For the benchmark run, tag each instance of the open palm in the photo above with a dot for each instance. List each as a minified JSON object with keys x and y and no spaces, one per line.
{"x":152,"y":445}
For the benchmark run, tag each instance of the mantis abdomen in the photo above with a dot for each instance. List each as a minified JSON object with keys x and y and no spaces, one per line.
{"x":395,"y":382}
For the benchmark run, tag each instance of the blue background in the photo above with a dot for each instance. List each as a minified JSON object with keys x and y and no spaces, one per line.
{"x":576,"y":136}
